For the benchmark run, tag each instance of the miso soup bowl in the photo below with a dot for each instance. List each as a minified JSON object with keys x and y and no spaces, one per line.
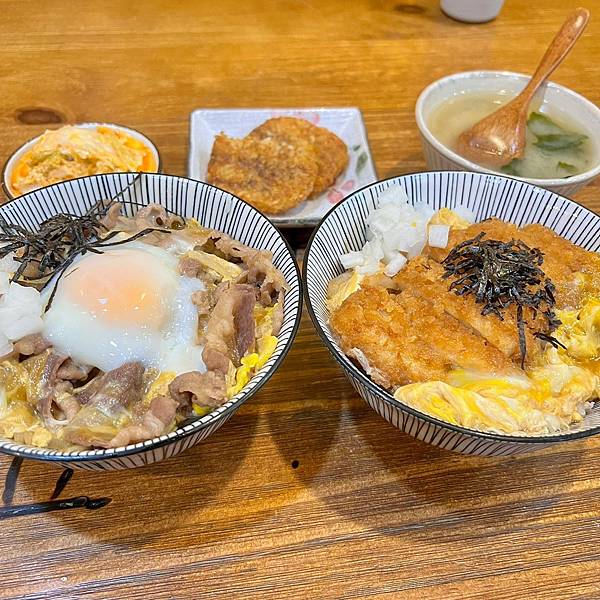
{"x":212,"y":208}
{"x":557,"y":99}
{"x":343,"y":230}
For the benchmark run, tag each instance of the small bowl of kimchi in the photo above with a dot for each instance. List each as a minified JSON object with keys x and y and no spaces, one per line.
{"x":73,"y":151}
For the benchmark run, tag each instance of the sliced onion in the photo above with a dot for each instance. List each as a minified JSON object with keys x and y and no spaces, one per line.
{"x":464,"y":212}
{"x":397,"y":231}
{"x":424,"y":209}
{"x":395,"y":265}
{"x":20,"y":312}
{"x":416,"y":248}
{"x":20,"y":295}
{"x":16,"y":329}
{"x":393,"y":195}
{"x":373,"y":251}
{"x":6,"y":347}
{"x":4,"y":282}
{"x":8,"y":264}
{"x":351,"y":260}
{"x":370,"y":267}
{"x":438,"y":236}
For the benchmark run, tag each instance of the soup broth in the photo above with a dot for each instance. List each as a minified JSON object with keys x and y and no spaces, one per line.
{"x":555,"y":146}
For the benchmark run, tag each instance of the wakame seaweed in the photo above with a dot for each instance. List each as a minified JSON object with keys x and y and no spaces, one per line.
{"x":559,"y":141}
{"x":504,"y":274}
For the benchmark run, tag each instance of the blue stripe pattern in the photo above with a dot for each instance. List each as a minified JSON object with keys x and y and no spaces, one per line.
{"x":213,"y":208}
{"x":343,"y":230}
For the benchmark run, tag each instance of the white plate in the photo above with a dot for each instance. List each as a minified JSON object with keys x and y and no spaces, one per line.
{"x":347,"y":123}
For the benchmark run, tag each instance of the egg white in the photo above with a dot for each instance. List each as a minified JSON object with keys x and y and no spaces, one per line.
{"x":89,"y":338}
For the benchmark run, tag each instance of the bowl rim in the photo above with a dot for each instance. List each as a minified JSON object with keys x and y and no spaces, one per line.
{"x":382,"y":393}
{"x":33,"y":452}
{"x":6,"y":188}
{"x":581,"y":178}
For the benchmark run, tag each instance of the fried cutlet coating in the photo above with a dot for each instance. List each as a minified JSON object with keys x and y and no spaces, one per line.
{"x":330,"y":151}
{"x":409,"y":339}
{"x":583,"y":264}
{"x":423,"y":276}
{"x":270,"y":174}
{"x":425,"y":331}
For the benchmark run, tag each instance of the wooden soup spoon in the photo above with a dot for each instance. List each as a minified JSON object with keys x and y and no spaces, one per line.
{"x":500,"y":137}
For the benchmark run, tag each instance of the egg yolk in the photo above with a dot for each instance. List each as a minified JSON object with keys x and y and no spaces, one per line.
{"x":120,"y":287}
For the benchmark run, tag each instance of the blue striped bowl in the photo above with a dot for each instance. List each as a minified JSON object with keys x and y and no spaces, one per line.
{"x":343,"y":230}
{"x":213,"y":208}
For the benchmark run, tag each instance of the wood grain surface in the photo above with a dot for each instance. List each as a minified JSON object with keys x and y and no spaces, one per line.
{"x":305,"y":493}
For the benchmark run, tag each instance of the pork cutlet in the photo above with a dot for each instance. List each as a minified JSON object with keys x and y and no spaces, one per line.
{"x":424,"y":277}
{"x":422,"y":330}
{"x":407,"y":338}
{"x":573,"y":270}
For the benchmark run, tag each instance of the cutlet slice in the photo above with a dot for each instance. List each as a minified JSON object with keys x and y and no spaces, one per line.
{"x":270,"y":174}
{"x":553,"y":245}
{"x":372,"y":321}
{"x":584,"y":265}
{"x":406,"y":339}
{"x":424,"y":277}
{"x":557,"y":266}
{"x":461,"y":346}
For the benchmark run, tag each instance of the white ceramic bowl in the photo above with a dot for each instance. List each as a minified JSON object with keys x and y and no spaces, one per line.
{"x":18,"y":153}
{"x":562,"y":100}
{"x":213,"y":208}
{"x":343,"y":230}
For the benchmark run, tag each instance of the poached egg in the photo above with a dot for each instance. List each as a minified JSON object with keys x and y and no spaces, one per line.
{"x":128,"y":303}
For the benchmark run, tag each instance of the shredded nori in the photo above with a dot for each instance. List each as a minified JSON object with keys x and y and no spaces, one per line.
{"x":502,"y":274}
{"x":52,"y":248}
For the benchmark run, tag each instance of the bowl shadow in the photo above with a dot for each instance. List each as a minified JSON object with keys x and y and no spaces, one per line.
{"x":148,"y":504}
{"x":304,"y":420}
{"x":413,"y":485}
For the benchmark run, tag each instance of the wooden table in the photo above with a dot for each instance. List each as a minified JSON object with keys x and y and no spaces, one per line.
{"x":305,"y":493}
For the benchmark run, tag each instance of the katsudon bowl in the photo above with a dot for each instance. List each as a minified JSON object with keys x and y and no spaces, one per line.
{"x":344,"y":229}
{"x":212,"y":208}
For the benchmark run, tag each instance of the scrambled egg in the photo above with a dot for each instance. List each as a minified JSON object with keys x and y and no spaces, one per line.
{"x":550,"y":397}
{"x":159,"y":386}
{"x":580,"y":331}
{"x":227,"y":271}
{"x":18,"y":390}
{"x":341,"y":287}
{"x":251,"y":363}
{"x":446,"y":216}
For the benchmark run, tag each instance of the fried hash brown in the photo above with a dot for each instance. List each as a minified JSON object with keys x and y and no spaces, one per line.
{"x":269,"y":173}
{"x":331,"y":153}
